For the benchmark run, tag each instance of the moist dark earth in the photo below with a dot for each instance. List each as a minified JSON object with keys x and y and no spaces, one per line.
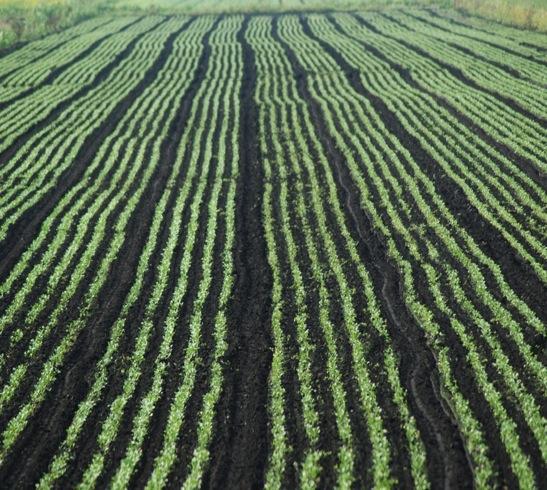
{"x":241,"y":445}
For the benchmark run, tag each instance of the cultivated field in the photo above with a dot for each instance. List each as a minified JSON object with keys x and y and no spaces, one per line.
{"x":274,"y":250}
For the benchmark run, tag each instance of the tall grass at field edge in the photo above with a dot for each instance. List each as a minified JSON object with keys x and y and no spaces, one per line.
{"x":24,"y":20}
{"x":529,"y":14}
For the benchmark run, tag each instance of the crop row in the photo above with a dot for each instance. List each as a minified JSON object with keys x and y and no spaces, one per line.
{"x":35,"y":73}
{"x":285,"y":101}
{"x":124,"y":165}
{"x":393,"y":183}
{"x":485,"y":73}
{"x":493,"y":204}
{"x":500,"y":117}
{"x":44,"y":157}
{"x":31,"y":52}
{"x":135,"y":159}
{"x":493,"y":115}
{"x":513,"y":57}
{"x":353,"y":139}
{"x":22,"y":114}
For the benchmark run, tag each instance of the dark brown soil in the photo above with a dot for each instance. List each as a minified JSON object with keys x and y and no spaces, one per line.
{"x":242,"y":440}
{"x":240,"y":448}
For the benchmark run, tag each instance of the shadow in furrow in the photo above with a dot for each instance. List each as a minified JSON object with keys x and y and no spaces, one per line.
{"x":240,"y":447}
{"x":59,"y":70}
{"x":518,"y":273}
{"x":25,"y":228}
{"x":447,"y":464}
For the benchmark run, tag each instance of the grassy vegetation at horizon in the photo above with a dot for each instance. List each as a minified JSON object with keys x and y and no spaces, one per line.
{"x":530,"y":14}
{"x":279,"y":251}
{"x":268,"y":6}
{"x":23,"y":20}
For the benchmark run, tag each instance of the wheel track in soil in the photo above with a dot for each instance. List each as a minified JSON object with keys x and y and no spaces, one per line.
{"x":455,"y":200}
{"x":240,"y":445}
{"x":421,"y":382}
{"x":525,"y":283}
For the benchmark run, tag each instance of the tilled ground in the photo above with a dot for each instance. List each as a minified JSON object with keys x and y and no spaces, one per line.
{"x":239,"y":251}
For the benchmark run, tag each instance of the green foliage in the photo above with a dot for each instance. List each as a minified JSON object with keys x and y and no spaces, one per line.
{"x":265,"y":6}
{"x":530,"y":14}
{"x":417,"y":71}
{"x":23,"y":21}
